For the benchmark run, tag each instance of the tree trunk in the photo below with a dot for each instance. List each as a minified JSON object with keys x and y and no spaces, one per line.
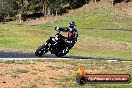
{"x":52,"y":13}
{"x":112,"y":2}
{"x":20,"y":17}
{"x":49,"y":12}
{"x":56,"y":12}
{"x":45,"y":10}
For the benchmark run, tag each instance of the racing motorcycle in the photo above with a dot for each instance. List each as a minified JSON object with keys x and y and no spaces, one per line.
{"x":56,"y":45}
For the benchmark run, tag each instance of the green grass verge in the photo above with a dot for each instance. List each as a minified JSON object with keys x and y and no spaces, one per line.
{"x":113,"y":42}
{"x":96,"y":43}
{"x":97,"y":21}
{"x":22,"y":36}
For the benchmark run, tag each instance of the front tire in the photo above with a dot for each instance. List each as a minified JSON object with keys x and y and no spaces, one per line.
{"x":41,"y":50}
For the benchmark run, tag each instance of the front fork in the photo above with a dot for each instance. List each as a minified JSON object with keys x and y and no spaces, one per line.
{"x":49,"y":43}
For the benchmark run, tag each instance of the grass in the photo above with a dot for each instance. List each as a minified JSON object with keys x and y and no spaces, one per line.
{"x":16,"y":72}
{"x":54,"y":68}
{"x":97,"y":15}
{"x":14,"y":75}
{"x":22,"y":36}
{"x":97,"y":20}
{"x":21,"y":71}
{"x":111,"y":31}
{"x":109,"y":34}
{"x":16,"y":62}
{"x":31,"y":86}
{"x":28,"y":38}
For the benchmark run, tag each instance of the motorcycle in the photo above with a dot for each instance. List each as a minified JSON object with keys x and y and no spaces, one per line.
{"x":56,"y":45}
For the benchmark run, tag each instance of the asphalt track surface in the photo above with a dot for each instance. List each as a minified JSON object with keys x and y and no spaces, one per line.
{"x":20,"y":56}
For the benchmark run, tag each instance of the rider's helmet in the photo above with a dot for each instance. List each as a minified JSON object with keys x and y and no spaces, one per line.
{"x":72,"y":26}
{"x":73,"y":23}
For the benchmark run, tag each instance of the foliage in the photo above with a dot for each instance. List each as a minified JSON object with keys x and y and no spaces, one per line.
{"x":47,"y":7}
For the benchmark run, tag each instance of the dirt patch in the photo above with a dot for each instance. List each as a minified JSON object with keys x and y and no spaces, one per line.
{"x":47,"y":74}
{"x":39,"y":74}
{"x":128,"y":12}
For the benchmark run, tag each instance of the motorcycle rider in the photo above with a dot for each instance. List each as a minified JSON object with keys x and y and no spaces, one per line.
{"x":72,"y":35}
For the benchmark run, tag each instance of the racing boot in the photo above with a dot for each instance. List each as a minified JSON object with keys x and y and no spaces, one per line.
{"x":66,"y":50}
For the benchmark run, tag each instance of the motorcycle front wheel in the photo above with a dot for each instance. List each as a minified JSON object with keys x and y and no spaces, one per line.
{"x":41,"y":50}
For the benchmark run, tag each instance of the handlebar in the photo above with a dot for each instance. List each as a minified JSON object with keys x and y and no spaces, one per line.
{"x":57,"y":29}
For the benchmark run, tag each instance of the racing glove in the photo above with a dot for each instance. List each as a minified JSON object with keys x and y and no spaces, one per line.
{"x":57,"y":28}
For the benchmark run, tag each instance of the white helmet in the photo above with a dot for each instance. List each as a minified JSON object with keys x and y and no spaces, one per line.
{"x":72,"y":26}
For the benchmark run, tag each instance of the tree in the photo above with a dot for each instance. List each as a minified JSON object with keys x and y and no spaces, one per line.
{"x":77,"y":3}
{"x":7,"y":8}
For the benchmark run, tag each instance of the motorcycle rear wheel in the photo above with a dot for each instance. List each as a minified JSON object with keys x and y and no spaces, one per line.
{"x":60,"y":54}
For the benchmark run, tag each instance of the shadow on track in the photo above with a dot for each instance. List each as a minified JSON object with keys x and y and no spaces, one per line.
{"x":20,"y":55}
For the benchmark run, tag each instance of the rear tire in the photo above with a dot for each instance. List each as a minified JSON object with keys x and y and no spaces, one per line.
{"x":61,"y":54}
{"x":41,"y":50}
